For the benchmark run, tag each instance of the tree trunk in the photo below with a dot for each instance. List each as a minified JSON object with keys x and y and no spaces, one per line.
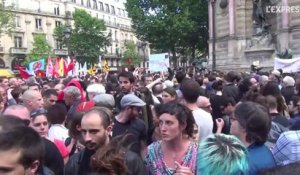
{"x":174,"y":58}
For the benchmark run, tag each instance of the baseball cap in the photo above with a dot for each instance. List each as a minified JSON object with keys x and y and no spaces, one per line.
{"x":132,"y":100}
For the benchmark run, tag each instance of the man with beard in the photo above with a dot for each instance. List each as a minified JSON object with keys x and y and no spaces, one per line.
{"x":126,"y":83}
{"x":96,"y":126}
{"x":128,"y":122}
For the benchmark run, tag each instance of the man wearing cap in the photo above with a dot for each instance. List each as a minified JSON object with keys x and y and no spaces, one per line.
{"x":128,"y":123}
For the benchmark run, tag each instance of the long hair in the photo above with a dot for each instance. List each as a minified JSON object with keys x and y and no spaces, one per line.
{"x":110,"y":159}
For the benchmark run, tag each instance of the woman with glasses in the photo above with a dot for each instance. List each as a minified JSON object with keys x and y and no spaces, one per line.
{"x":39,"y":122}
{"x":176,"y":152}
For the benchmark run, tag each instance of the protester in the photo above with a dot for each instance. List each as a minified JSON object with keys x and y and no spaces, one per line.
{"x":222,"y":154}
{"x":176,"y":152}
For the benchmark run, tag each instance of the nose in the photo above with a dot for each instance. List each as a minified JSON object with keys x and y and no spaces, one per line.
{"x":163,"y":127}
{"x":87,"y":137}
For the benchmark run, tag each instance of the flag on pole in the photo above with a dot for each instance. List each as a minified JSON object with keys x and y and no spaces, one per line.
{"x":49,"y":67}
{"x":24,"y":74}
{"x":106,"y":67}
{"x":56,"y":67}
{"x":36,"y":65}
{"x":61,"y":67}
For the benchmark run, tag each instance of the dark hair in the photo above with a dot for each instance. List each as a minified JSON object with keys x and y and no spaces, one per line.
{"x":217,"y":85}
{"x":103,"y":113}
{"x":57,"y":113}
{"x":254,"y":118}
{"x":272,"y":88}
{"x":25,"y":140}
{"x":110,"y":159}
{"x":180,"y":76}
{"x":191,"y":90}
{"x":232,"y":76}
{"x":38,"y":112}
{"x":290,"y":169}
{"x":75,"y":121}
{"x":16,"y":92}
{"x":182,"y":113}
{"x":171,"y":91}
{"x":157,"y":88}
{"x":9,"y":121}
{"x":128,"y":75}
{"x":49,"y":92}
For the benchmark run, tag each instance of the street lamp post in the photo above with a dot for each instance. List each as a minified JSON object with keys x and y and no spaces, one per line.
{"x":213,"y":7}
{"x":67,"y":34}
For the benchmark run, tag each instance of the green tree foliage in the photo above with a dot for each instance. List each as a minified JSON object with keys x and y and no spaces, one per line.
{"x":41,"y":49}
{"x":59,"y":34}
{"x":6,"y":20}
{"x":130,"y":56}
{"x":88,"y":37}
{"x":173,"y":26}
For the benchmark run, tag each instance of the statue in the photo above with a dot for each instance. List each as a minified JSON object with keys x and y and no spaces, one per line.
{"x":259,"y":16}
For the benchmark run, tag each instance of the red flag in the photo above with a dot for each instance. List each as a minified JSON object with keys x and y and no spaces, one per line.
{"x":40,"y":74}
{"x":65,"y":68}
{"x":56,"y":67}
{"x":71,"y":65}
{"x":24,"y":74}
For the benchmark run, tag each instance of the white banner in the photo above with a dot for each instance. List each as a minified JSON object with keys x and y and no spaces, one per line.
{"x":159,"y":62}
{"x":287,"y":65}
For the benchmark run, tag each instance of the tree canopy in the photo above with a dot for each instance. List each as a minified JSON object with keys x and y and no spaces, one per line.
{"x":6,"y":19}
{"x":87,"y":37}
{"x":173,"y":26}
{"x":130,"y":56}
{"x":40,"y":49}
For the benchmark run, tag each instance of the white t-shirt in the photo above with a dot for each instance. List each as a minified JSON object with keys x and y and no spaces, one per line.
{"x":204,"y":122}
{"x":59,"y":132}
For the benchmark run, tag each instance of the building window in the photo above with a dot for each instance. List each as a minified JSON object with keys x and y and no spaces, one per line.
{"x":88,"y":3}
{"x":82,"y":3}
{"x":18,"y":41}
{"x":74,"y":1}
{"x":123,"y":12}
{"x":57,"y":23}
{"x":116,"y":36}
{"x":119,"y":11}
{"x":58,"y":44}
{"x":107,"y":8}
{"x":38,"y":24}
{"x":95,"y":5}
{"x":56,"y":9}
{"x":17,"y":21}
{"x":113,"y":10}
{"x":101,"y":6}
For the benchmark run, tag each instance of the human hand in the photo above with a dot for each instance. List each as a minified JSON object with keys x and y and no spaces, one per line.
{"x":182,"y":170}
{"x":220,"y":124}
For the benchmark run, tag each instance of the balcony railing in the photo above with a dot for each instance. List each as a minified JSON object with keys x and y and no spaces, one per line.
{"x":60,"y":52}
{"x":15,"y":50}
{"x":1,"y":49}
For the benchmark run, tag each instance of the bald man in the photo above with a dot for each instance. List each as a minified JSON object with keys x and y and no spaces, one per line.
{"x":18,"y":111}
{"x":32,"y":99}
{"x":204,"y":103}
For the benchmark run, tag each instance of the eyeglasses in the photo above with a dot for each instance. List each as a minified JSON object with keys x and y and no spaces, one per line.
{"x":38,"y":112}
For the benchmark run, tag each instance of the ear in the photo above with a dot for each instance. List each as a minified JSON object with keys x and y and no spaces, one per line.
{"x":32,"y":169}
{"x":182,"y":126}
{"x":109,"y":129}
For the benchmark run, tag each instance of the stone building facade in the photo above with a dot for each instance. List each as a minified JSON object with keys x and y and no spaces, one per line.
{"x":42,"y":16}
{"x":239,"y":43}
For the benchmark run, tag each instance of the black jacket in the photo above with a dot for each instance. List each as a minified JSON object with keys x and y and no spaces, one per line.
{"x":133,"y":162}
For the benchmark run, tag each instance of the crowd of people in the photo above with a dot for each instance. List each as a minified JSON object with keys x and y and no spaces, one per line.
{"x":138,"y":123}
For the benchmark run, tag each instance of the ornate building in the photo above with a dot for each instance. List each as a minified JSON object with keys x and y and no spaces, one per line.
{"x":248,"y":31}
{"x":42,"y":16}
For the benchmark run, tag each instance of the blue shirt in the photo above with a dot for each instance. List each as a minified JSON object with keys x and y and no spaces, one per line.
{"x":260,"y":158}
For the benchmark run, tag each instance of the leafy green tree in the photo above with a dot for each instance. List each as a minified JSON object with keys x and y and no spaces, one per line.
{"x":171,"y":26}
{"x":41,"y":49}
{"x":130,"y":56}
{"x":87,"y":37}
{"x":59,"y":34}
{"x":6,"y":19}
